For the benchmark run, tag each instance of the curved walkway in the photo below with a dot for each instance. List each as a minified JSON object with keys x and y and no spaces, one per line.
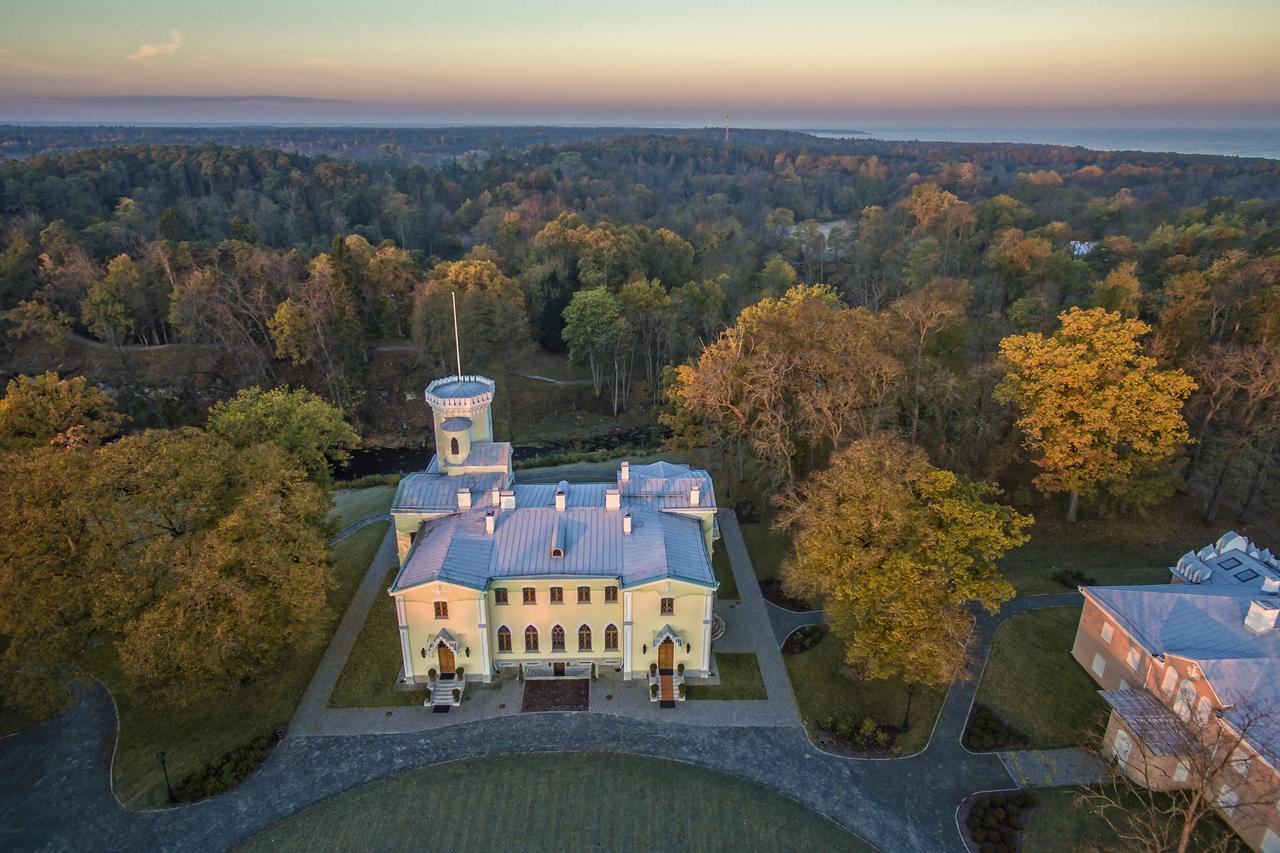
{"x":358,"y":525}
{"x":60,"y":768}
{"x":785,"y":622}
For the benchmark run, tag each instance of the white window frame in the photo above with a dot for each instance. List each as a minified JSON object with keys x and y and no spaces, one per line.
{"x":1099,"y":665}
{"x":1170,"y":680}
{"x":1108,"y":632}
{"x":1134,"y":658}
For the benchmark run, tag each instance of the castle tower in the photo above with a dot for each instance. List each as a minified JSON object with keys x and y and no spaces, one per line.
{"x":461,"y":409}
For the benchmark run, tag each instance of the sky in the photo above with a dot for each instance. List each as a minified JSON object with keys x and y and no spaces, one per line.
{"x":801,"y":63}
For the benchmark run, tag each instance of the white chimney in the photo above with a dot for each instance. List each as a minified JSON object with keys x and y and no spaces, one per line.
{"x":464,"y":499}
{"x":1271,"y":585}
{"x":495,"y":497}
{"x":562,"y":492}
{"x":612,"y":499}
{"x":508,"y":499}
{"x":489,"y":521}
{"x":695,"y":495}
{"x":626,"y":524}
{"x":626,"y":471}
{"x":1262,"y":616}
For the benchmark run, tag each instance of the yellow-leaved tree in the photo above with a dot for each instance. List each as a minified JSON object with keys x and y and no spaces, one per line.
{"x":1096,"y":411}
{"x":897,"y":550}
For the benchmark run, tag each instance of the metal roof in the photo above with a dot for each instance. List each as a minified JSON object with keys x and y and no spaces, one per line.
{"x":488,"y":454}
{"x":429,"y":491}
{"x":456,"y":424}
{"x":457,"y":549}
{"x":1190,"y":620}
{"x":1161,"y":730}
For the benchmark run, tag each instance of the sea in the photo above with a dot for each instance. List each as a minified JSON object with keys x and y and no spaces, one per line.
{"x":1223,"y":141}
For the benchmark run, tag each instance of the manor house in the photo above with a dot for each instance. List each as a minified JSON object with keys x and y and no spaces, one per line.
{"x":555,"y":581}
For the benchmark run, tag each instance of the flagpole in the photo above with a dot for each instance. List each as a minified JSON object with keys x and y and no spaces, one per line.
{"x":457,"y":347}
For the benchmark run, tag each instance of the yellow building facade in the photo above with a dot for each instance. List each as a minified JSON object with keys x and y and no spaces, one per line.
{"x":548,"y":580}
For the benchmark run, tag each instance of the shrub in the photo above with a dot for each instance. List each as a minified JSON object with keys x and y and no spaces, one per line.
{"x":653,"y":690}
{"x":1072,"y":578}
{"x":369,"y":480}
{"x":226,"y":771}
{"x":653,"y":669}
{"x":458,"y":672}
{"x":457,"y":694}
{"x":680,"y":669}
{"x":993,"y":821}
{"x":680,"y":689}
{"x":805,"y":638}
{"x":987,"y":731}
{"x":431,"y":673}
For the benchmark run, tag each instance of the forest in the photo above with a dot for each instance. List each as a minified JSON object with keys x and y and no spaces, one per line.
{"x":177,"y":275}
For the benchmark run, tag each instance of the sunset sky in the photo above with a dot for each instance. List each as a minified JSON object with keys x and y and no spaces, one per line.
{"x":801,"y":63}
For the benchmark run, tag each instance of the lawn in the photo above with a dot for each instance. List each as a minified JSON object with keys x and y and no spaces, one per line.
{"x":1057,"y":823}
{"x":374,"y":663}
{"x":350,"y":505}
{"x":555,"y":803}
{"x":195,"y":735}
{"x":1033,"y":684}
{"x":739,"y":679}
{"x":1122,"y":550}
{"x":724,"y":572}
{"x":824,"y":690}
{"x":767,"y":548}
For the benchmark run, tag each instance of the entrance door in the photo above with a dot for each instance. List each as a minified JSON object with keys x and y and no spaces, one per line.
{"x":557,"y":669}
{"x":666,"y":656}
{"x":447,"y":665}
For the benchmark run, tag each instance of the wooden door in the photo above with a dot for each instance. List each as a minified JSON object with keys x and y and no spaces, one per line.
{"x":447,"y":665}
{"x":557,"y":669}
{"x":666,"y":656}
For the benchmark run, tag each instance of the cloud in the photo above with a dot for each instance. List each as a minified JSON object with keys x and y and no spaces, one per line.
{"x":148,"y":52}
{"x":14,"y":60}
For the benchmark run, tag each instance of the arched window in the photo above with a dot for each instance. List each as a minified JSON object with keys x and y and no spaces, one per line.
{"x":1186,"y":700}
{"x":611,"y":638}
{"x":557,"y":639}
{"x":453,"y":447}
{"x":1170,"y":681}
{"x":504,"y":639}
{"x":531,"y":639}
{"x":1203,"y":710}
{"x":584,"y":638}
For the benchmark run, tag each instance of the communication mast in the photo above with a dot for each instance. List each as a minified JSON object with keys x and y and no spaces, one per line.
{"x":726,"y":127}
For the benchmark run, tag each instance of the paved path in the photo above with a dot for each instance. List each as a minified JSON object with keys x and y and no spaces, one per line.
{"x":785,"y":621}
{"x":55,"y":794}
{"x":358,"y":525}
{"x":1054,"y":768}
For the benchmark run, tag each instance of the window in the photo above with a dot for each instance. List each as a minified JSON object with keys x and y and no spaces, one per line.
{"x":1170,"y":681}
{"x":668,"y":606}
{"x":611,"y":638}
{"x":610,"y":594}
{"x":1186,"y":700}
{"x":1240,"y":759}
{"x":442,"y":610}
{"x":584,"y":638}
{"x":1227,"y":800}
{"x":1182,"y":771}
{"x":500,"y":595}
{"x":1108,"y":632}
{"x":453,"y":447}
{"x":530,"y":595}
{"x":584,"y":595}
{"x":557,"y":595}
{"x":1203,"y":709}
{"x":1134,"y":658}
{"x":504,"y":639}
{"x":531,"y":639}
{"x":557,"y":639}
{"x":1099,"y":665}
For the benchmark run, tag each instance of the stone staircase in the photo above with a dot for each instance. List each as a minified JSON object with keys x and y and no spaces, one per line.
{"x":442,"y":692}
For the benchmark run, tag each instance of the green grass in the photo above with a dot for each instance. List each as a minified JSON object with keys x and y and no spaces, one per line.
{"x":374,"y":664}
{"x":724,"y":572}
{"x":1128,"y":550}
{"x":739,"y":679}
{"x":351,"y":505}
{"x":1033,"y":683}
{"x":823,"y":689}
{"x":556,"y":803}
{"x":194,"y":735}
{"x":15,"y":720}
{"x":767,"y":548}
{"x":1057,"y":823}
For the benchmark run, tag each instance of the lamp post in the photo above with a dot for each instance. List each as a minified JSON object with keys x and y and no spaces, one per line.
{"x":906,"y":718}
{"x":164,"y":768}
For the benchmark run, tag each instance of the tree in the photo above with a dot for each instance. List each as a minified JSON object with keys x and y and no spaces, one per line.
{"x":1147,"y":807}
{"x":897,"y":551}
{"x":46,"y":409}
{"x":1120,"y":292}
{"x":595,"y":332}
{"x":492,"y":324}
{"x":311,"y":431}
{"x":1096,"y":411}
{"x":921,"y":317}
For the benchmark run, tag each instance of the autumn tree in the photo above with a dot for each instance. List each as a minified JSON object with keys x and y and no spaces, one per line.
{"x":492,"y":325}
{"x":897,"y":551}
{"x":1120,"y":292}
{"x":47,"y":409}
{"x":1096,"y":412}
{"x":921,"y":319}
{"x":309,"y":430}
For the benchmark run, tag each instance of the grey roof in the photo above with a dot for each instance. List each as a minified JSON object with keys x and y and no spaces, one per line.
{"x":487,"y":454}
{"x":1161,"y":730}
{"x":457,"y":549}
{"x":458,"y":424}
{"x":429,"y":491}
{"x":459,"y":387}
{"x":667,"y":485}
{"x":1191,"y":620}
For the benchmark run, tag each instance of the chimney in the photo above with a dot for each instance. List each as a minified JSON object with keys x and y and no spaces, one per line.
{"x":1261,"y":618}
{"x":626,"y":524}
{"x":495,"y":497}
{"x":508,"y":499}
{"x":625,"y":475}
{"x":612,"y":499}
{"x":1270,"y":585}
{"x":489,"y":521}
{"x":695,"y":495}
{"x":464,"y":499}
{"x":562,"y":492}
